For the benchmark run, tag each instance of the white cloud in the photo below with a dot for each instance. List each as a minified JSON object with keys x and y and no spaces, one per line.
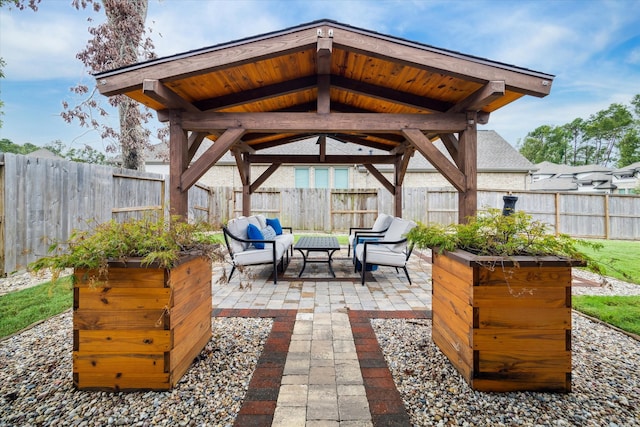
{"x":43,"y":44}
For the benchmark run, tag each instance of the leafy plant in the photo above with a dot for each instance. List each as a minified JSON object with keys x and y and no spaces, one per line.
{"x":494,"y":234}
{"x":153,"y":240}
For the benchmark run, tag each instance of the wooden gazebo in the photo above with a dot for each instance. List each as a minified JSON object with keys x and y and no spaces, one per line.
{"x":324,"y":79}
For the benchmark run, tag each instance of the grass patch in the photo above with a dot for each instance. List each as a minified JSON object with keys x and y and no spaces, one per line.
{"x":343,"y":239}
{"x":22,"y":308}
{"x":620,"y":258}
{"x":620,"y":311}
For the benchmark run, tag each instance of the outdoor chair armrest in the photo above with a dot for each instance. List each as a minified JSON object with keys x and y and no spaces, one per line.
{"x":239,"y":239}
{"x":352,"y":229}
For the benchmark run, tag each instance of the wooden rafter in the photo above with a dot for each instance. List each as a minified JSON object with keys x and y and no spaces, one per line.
{"x":208,"y":60}
{"x":244,"y":167}
{"x":258,"y":94}
{"x":391,"y":95}
{"x":403,"y":164}
{"x":439,"y":61}
{"x":210,"y":157}
{"x":480,"y":98}
{"x":436,"y":158}
{"x":155,"y":90}
{"x":381,"y":178}
{"x":263,"y":177}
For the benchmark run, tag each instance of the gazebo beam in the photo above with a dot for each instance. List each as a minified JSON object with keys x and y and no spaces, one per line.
{"x":209,"y":158}
{"x":331,"y":159}
{"x":381,"y":178}
{"x":324,"y":123}
{"x":436,"y":158}
{"x":262,"y":178}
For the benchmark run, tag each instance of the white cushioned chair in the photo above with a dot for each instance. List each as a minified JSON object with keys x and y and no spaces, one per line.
{"x":392,"y":250}
{"x":379,"y":227}
{"x":246,"y":251}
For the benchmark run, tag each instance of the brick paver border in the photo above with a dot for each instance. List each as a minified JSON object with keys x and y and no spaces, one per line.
{"x":385,"y":402}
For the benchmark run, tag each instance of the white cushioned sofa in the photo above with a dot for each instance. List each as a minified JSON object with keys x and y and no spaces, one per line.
{"x":390,"y":250}
{"x":256,"y":240}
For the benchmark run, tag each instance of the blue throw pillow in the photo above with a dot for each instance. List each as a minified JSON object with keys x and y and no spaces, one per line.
{"x":254,"y":233}
{"x":269,"y":233}
{"x":275,"y":223}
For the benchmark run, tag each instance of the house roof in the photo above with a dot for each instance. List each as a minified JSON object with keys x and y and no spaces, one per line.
{"x":548,"y":168}
{"x":629,"y":169}
{"x":495,"y":154}
{"x":555,"y":184}
{"x":44,"y":153}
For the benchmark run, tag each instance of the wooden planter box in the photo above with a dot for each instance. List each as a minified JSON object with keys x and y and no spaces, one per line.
{"x":504,"y":328}
{"x":142,"y":328}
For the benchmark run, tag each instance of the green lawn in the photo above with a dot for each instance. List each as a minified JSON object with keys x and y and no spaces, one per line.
{"x":22,"y":308}
{"x":621,"y":258}
{"x":620,"y":311}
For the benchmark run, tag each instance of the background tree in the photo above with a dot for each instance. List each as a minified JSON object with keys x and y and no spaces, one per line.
{"x":546,"y":143}
{"x":610,"y":136}
{"x":606,"y":129}
{"x":85,"y":155}
{"x":8,"y":146}
{"x":118,"y":42}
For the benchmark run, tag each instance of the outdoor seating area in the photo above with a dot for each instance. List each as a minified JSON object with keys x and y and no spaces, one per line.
{"x":256,"y":240}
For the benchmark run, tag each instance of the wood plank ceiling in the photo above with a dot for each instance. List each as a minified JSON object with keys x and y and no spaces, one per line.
{"x":326,"y":79}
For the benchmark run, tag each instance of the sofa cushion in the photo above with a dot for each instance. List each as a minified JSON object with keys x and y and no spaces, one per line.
{"x":259,"y":256}
{"x":269,"y":233}
{"x":262,"y":221}
{"x":238,"y":227}
{"x":397,"y":231}
{"x":285,"y":239}
{"x":382,"y":222}
{"x":381,"y":255}
{"x":255,"y":221}
{"x":275,"y":223}
{"x":254,"y":233}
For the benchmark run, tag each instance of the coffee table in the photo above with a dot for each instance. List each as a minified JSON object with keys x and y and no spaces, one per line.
{"x":308,"y":244}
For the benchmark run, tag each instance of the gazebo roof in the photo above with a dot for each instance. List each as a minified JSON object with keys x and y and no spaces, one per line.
{"x":327,"y":79}
{"x":281,"y":71}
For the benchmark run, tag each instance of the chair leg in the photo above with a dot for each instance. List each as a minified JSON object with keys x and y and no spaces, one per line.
{"x":275,"y":273}
{"x":407,"y":274}
{"x":233,"y":268}
{"x":349,"y":249}
{"x":364,"y":271}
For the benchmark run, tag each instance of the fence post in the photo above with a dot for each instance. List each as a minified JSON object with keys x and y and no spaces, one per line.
{"x":557,"y":207}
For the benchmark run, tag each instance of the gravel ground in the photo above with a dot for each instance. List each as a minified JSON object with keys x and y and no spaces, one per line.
{"x":605,"y":382}
{"x":36,"y":387}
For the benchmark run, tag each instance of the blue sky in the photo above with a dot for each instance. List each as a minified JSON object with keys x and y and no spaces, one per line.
{"x":591,"y":46}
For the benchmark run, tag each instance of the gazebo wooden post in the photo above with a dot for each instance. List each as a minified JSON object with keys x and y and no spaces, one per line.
{"x":246,"y":187}
{"x":397,"y":196}
{"x":468,"y":164}
{"x":178,"y":163}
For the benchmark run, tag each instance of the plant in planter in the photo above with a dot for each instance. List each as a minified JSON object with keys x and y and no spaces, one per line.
{"x":502,"y":300}
{"x":142,"y":300}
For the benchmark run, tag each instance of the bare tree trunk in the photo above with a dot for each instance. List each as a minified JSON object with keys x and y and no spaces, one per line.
{"x":133,"y":137}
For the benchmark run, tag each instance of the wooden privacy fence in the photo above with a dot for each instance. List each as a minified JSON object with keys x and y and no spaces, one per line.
{"x":43,"y":200}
